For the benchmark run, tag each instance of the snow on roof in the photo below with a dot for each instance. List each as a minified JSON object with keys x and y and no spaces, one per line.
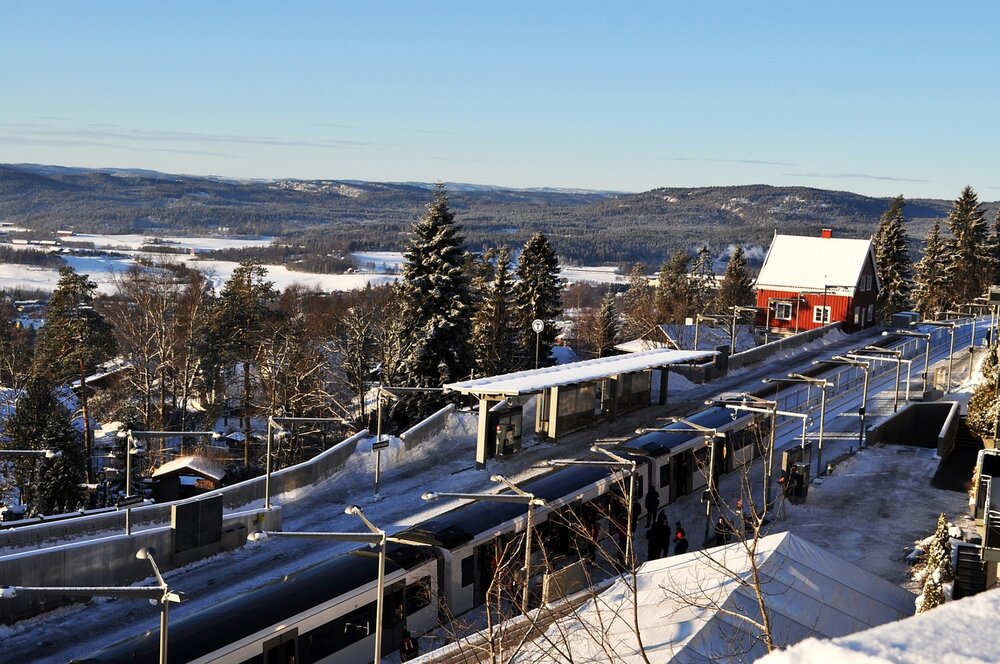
{"x":536,"y":380}
{"x":796,"y":262}
{"x":959,"y":631}
{"x":688,"y":606}
{"x":196,"y":464}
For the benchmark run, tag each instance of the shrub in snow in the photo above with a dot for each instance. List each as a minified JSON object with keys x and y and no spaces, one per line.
{"x":933,"y":594}
{"x":939,"y":554}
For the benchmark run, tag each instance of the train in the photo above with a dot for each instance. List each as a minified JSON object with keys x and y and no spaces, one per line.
{"x":326,"y":613}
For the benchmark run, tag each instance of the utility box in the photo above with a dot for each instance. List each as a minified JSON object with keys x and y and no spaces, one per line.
{"x":902,"y":320}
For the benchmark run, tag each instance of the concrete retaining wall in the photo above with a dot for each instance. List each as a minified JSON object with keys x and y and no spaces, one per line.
{"x":923,"y":425}
{"x":761,"y":353}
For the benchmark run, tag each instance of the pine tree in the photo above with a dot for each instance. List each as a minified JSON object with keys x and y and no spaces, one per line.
{"x":939,"y":553}
{"x":495,"y":336}
{"x":40,"y":422}
{"x":968,"y":248}
{"x":932,"y":280}
{"x":241,"y":319}
{"x":538,"y":294}
{"x":983,"y":405}
{"x":702,"y":279}
{"x":893,"y":260}
{"x":736,"y":289}
{"x":607,"y":327}
{"x":933,"y":595}
{"x":73,"y":341}
{"x":638,"y":308}
{"x":673,"y":290}
{"x":437,"y":310}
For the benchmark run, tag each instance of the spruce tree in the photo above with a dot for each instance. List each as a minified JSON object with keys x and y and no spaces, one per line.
{"x":702,"y":280}
{"x":495,"y":336}
{"x":983,"y":404}
{"x":673,"y":290}
{"x":939,"y":553}
{"x":638,"y":309}
{"x":73,"y":341}
{"x":968,"y":248}
{"x":58,"y":480}
{"x":437,"y":304}
{"x":994,"y":251}
{"x":538,"y":296}
{"x":932,"y":280}
{"x":893,"y":260}
{"x":736,"y":289}
{"x":933,"y":595}
{"x":607,"y":327}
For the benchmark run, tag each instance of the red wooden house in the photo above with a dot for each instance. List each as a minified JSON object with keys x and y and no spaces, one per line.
{"x":808,"y":282}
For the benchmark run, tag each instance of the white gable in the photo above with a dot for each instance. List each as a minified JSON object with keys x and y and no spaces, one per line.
{"x":799,"y":263}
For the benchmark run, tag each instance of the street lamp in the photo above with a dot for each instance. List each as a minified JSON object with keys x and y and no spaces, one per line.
{"x":519,"y":496}
{"x":614,"y":461}
{"x":377,"y":537}
{"x":160,"y":593}
{"x":876,"y":353}
{"x":280,"y":423}
{"x":132,"y":449}
{"x":698,"y":318}
{"x":926,"y":336}
{"x":737,"y":310}
{"x":866,"y":366}
{"x":951,"y":349}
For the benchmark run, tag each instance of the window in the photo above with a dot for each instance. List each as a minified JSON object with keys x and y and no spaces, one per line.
{"x":418,"y":595}
{"x":821,"y":314}
{"x":857,"y":315}
{"x":783,"y":311}
{"x":664,"y":475}
{"x":871,"y":312}
{"x":467,"y":571}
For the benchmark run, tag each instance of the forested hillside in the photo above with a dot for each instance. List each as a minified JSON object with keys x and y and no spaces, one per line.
{"x":585,"y":227}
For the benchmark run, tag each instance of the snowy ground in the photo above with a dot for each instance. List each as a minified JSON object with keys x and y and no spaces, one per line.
{"x":842,"y":503}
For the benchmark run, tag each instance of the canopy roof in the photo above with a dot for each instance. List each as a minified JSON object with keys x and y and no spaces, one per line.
{"x":799,"y":263}
{"x":689,"y":607}
{"x":536,"y":380}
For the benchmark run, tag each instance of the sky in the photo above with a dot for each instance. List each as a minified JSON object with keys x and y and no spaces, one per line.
{"x":880,"y":98}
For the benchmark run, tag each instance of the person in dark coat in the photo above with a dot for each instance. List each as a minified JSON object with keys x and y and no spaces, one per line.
{"x":681,"y":544}
{"x":721,"y":532}
{"x":409,"y":648}
{"x":652,"y":503}
{"x":657,"y":538}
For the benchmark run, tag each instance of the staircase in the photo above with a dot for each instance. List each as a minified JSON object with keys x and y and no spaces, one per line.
{"x":965,"y":438}
{"x":970,"y":574}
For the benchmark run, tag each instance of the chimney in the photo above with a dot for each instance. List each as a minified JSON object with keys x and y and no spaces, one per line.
{"x":826,"y":233}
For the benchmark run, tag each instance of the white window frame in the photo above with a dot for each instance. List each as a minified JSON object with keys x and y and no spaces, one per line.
{"x":818,"y":316}
{"x":857,"y":316}
{"x":779,"y":306}
{"x":871,"y":312}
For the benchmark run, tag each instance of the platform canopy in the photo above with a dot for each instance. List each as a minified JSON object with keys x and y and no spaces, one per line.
{"x":537,"y":380}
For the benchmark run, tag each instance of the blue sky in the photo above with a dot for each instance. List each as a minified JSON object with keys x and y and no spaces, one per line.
{"x":879,"y":98}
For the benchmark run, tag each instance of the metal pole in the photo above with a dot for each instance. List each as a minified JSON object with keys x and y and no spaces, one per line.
{"x":861,"y":411}
{"x":972,"y":346}
{"x":525,"y":597}
{"x":819,"y":450}
{"x":697,"y":320}
{"x":769,"y":465}
{"x":129,"y":444}
{"x":951,"y":356}
{"x":629,"y":546}
{"x":732,"y":337}
{"x":909,"y":366}
{"x":379,"y":599}
{"x":895,"y":398}
{"x":538,"y":342}
{"x":711,"y":488}
{"x":267,"y":472}
{"x":164,"y":609}
{"x":378,"y":470}
{"x":927,"y":359}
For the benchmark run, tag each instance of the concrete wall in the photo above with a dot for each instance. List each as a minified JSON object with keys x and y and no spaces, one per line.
{"x":923,"y":425}
{"x":761,"y":353}
{"x":111,"y":561}
{"x":426,"y":428}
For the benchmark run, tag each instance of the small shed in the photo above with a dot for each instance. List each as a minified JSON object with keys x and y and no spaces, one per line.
{"x":185,"y":477}
{"x":809,"y":282}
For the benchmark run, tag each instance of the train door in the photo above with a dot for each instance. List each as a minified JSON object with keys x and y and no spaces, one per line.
{"x":283,"y":649}
{"x":393,"y":617}
{"x":680,"y":476}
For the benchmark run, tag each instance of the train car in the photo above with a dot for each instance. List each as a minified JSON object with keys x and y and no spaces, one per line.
{"x":321,"y":614}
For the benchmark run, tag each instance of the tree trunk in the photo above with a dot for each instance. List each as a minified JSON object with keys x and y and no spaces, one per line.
{"x":246,"y":413}
{"x":87,"y":438}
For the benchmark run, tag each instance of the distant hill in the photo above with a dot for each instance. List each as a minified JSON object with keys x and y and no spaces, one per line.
{"x":585,"y":226}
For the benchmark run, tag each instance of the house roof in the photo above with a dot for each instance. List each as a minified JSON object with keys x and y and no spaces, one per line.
{"x":192,"y":464}
{"x":800,"y":263}
{"x":536,"y":380}
{"x":688,"y":603}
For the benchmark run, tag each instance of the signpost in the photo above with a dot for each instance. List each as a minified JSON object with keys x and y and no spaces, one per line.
{"x":537,"y":325}
{"x":377,"y":448}
{"x":129,"y":501}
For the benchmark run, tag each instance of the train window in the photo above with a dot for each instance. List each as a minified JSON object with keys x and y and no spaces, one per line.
{"x":665,"y":475}
{"x":418,"y":595}
{"x":467,"y":571}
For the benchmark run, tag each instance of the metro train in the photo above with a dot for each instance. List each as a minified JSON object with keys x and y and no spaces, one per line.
{"x":326,"y":613}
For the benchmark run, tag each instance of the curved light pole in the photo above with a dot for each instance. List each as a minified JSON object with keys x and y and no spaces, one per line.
{"x":160,"y":594}
{"x":878,"y":354}
{"x":866,"y":366}
{"x":377,"y":537}
{"x":519,"y":496}
{"x":926,"y":336}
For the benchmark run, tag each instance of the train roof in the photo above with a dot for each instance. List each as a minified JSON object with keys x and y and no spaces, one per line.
{"x":463,"y":523}
{"x":665,"y":441}
{"x":200,"y":633}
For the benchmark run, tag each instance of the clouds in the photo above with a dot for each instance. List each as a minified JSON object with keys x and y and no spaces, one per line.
{"x":855,"y":176}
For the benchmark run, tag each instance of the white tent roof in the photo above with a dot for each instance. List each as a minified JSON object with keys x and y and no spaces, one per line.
{"x":689,"y":608}
{"x":796,"y":262}
{"x":536,"y":380}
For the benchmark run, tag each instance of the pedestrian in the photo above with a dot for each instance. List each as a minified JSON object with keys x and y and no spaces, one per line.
{"x":657,"y":537}
{"x":681,"y":545}
{"x":409,"y":649}
{"x":721,"y":532}
{"x":652,"y":502}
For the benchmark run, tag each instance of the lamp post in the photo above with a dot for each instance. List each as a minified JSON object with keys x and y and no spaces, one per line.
{"x":281,"y":423}
{"x":737,"y":310}
{"x":866,"y":366}
{"x":877,"y":354}
{"x":698,"y":318}
{"x":926,"y":336}
{"x":160,"y":594}
{"x":377,"y":537}
{"x":823,"y":384}
{"x":519,"y":496}
{"x":951,"y":348}
{"x":794,"y":378}
{"x":614,"y":461}
{"x":132,"y":449}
